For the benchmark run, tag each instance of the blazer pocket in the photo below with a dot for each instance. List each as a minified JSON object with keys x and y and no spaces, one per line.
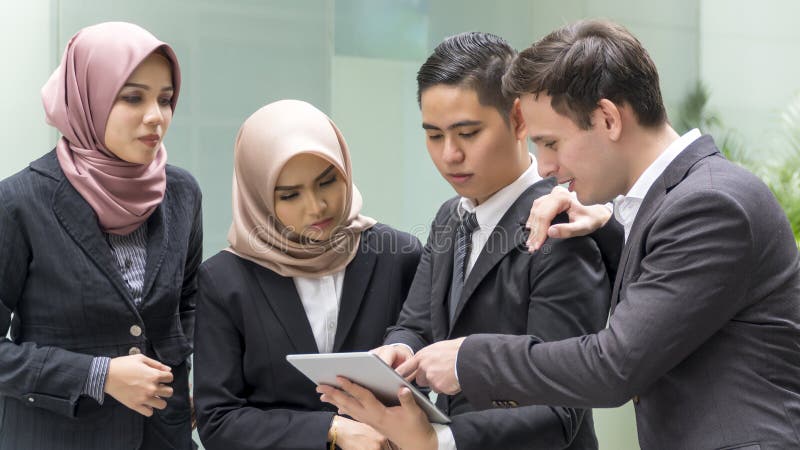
{"x":747,"y":446}
{"x":178,"y":409}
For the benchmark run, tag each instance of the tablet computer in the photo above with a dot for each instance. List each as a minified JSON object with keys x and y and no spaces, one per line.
{"x":365,"y":369}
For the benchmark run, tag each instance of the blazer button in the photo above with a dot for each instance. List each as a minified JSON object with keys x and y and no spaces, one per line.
{"x":136,"y":331}
{"x":635,"y":399}
{"x":134,"y":351}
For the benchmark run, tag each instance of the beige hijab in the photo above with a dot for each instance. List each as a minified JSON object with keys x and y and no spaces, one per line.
{"x":267,"y":140}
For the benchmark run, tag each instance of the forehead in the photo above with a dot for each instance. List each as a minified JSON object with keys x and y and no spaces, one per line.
{"x":302,"y":168}
{"x":155,"y":69}
{"x":541,"y":119}
{"x":443,"y":105}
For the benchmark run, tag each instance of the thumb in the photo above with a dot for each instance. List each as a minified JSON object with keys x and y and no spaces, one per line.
{"x":568,"y":230}
{"x":407,"y":400}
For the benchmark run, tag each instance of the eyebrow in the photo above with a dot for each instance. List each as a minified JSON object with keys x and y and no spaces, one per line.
{"x":463,"y":123}
{"x":540,"y":137}
{"x":146,"y":87}
{"x":298,"y":186}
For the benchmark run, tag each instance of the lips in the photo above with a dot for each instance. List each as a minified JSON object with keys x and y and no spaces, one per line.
{"x":322,"y":224}
{"x":150,"y":140}
{"x":570,"y":182}
{"x":459,"y":178}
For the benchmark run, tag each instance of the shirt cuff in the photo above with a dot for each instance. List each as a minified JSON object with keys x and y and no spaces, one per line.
{"x":445,"y":436}
{"x":96,"y":381}
{"x":406,"y":346}
{"x":455,"y":366}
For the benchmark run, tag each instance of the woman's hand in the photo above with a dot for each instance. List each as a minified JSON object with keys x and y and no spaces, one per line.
{"x":406,"y":426}
{"x":582,"y":219}
{"x":140,"y":383}
{"x":356,"y":436}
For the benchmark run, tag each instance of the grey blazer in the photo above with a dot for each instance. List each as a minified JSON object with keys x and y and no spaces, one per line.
{"x":560,"y":292}
{"x":70,"y":303}
{"x":705,"y":337}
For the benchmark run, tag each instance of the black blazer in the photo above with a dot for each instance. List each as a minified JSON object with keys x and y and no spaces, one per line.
{"x":249,"y":318}
{"x":562,"y":290}
{"x":69,"y":303}
{"x":705,"y":331}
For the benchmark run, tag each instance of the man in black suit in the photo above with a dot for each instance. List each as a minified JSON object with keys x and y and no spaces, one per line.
{"x":704,"y":331}
{"x":481,"y":279}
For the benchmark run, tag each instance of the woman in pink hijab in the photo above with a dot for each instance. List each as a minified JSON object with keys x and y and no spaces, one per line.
{"x":305,"y":272}
{"x":101,"y":243}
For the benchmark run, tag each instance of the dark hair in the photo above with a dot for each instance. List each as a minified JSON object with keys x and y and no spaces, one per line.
{"x":474,"y":60}
{"x":584,"y":62}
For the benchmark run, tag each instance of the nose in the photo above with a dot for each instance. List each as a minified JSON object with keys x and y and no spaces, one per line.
{"x":547,"y":163}
{"x":315,"y":205}
{"x":154,"y":115}
{"x":452,"y":153}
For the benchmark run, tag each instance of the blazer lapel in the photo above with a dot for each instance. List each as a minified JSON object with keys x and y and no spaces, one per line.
{"x":442,"y":243}
{"x":356,"y":279}
{"x":675,"y":172}
{"x":507,"y":235}
{"x":282,"y":297}
{"x":157,"y":238}
{"x":80,"y":222}
{"x":651,"y":202}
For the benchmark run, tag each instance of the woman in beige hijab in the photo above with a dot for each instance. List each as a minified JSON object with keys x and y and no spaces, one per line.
{"x":305,"y":272}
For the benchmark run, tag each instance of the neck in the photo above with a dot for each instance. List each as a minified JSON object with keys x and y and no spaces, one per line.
{"x":645,"y":145}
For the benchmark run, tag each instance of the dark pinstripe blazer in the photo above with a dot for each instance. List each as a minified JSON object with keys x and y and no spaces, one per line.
{"x":69,"y":303}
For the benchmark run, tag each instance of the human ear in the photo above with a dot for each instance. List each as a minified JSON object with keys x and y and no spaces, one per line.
{"x":517,"y":121}
{"x":610,"y":118}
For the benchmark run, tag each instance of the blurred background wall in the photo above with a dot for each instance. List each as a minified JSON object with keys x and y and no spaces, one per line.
{"x":357,"y":61}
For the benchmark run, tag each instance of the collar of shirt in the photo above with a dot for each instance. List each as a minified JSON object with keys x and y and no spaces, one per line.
{"x":626,"y":207}
{"x":494,"y":208}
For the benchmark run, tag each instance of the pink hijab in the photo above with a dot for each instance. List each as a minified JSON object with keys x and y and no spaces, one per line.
{"x":78,"y":99}
{"x":267,"y":140}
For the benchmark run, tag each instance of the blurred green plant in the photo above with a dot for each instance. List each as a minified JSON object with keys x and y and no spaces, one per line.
{"x":781,"y":173}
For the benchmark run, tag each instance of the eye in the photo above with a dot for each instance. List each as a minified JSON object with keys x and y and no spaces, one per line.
{"x":434,"y":137}
{"x":131,"y":98}
{"x":288,"y":196}
{"x":550,"y":144}
{"x":329,"y":181}
{"x":469,"y":134}
{"x":165,"y":101}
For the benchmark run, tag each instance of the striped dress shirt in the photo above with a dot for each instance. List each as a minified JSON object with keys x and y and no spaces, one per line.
{"x":130,"y":252}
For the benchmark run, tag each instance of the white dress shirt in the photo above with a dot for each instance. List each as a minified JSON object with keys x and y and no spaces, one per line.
{"x":493,"y":209}
{"x":489,"y":214}
{"x":627,"y":206}
{"x":321,"y":298}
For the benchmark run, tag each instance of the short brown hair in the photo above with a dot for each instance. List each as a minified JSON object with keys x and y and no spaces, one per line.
{"x":584,"y":62}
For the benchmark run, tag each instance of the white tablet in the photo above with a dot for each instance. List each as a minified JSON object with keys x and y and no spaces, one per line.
{"x":367,"y":370}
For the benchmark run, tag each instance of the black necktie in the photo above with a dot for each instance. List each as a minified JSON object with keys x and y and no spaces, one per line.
{"x":466,"y":226}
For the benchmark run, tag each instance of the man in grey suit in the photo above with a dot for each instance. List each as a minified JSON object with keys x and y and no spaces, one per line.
{"x":704,"y":334}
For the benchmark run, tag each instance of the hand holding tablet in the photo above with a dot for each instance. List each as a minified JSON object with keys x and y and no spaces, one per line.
{"x":367,"y":370}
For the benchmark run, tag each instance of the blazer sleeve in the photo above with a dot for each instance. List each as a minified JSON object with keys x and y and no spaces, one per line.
{"x":225,"y":418}
{"x":41,"y":376}
{"x":414,"y":324}
{"x":684,"y":291}
{"x":193,"y":259}
{"x":569,"y":296}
